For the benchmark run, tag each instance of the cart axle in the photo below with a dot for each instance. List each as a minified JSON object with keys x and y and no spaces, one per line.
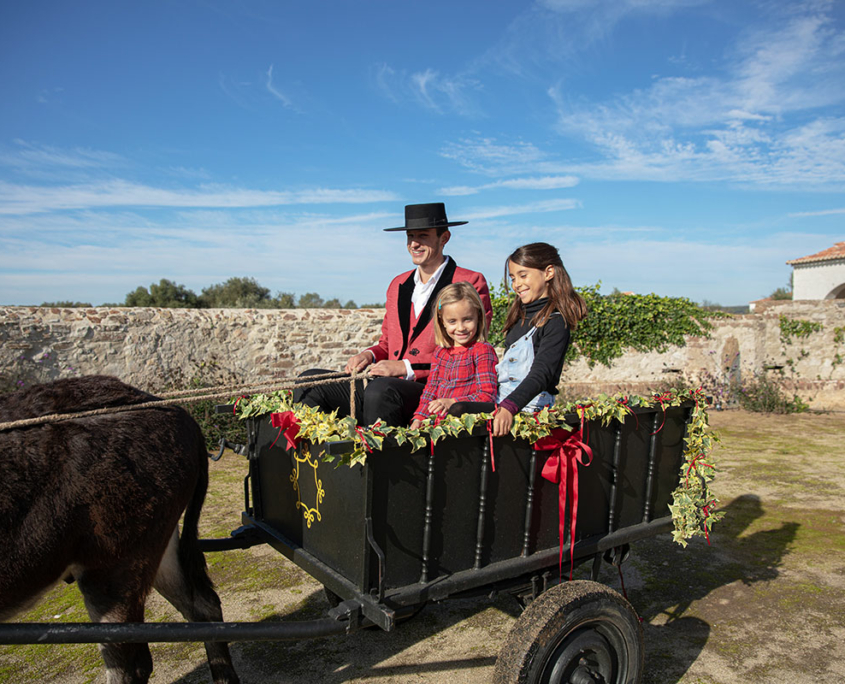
{"x":159,"y":632}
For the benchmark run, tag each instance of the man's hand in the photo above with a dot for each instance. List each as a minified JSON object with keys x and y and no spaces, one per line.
{"x":416,"y":424}
{"x":358,"y":362}
{"x":502,"y":422}
{"x":388,"y":369}
{"x":440,"y":406}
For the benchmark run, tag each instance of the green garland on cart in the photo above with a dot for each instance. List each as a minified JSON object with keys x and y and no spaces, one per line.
{"x":693,"y":502}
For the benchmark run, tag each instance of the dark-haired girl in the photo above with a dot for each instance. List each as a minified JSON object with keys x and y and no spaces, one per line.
{"x":537,"y":332}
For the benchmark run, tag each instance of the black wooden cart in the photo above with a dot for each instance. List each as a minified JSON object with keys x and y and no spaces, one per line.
{"x":406,"y":528}
{"x":409,"y":527}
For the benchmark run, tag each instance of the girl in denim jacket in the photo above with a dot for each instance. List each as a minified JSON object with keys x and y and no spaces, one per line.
{"x":537,"y":332}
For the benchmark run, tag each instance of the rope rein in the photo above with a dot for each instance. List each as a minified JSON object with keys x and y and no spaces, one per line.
{"x":191,"y":396}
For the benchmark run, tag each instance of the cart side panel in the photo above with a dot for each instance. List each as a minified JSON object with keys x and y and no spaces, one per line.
{"x":271,"y":479}
{"x":337,"y":534}
{"x":633,"y":469}
{"x":456,"y":499}
{"x":594,"y":486}
{"x":398,"y":505}
{"x":510,"y":497}
{"x":670,"y":457}
{"x":438,"y":509}
{"x":401,"y":509}
{"x":400,"y":481}
{"x":507,"y":497}
{"x":313,"y":504}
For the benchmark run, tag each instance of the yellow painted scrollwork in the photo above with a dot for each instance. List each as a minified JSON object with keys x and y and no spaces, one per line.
{"x":307,"y":512}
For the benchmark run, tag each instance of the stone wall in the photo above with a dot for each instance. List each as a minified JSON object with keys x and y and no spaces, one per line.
{"x":158,"y":349}
{"x":739,"y":346}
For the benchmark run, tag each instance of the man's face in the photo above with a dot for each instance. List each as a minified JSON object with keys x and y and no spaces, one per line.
{"x":425,"y":247}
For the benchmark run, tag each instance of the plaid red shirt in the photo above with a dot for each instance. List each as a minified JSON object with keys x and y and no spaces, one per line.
{"x":462,"y":374}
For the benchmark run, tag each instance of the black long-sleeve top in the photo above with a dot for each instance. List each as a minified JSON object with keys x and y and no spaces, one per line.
{"x":550,"y":344}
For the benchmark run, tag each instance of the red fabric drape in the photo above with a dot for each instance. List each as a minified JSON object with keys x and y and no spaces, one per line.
{"x":561,"y":467}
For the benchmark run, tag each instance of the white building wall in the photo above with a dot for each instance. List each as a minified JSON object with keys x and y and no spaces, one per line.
{"x":819,"y":280}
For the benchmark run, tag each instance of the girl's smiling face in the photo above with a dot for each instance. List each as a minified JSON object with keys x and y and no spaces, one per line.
{"x":460,"y":320}
{"x":530,"y":284}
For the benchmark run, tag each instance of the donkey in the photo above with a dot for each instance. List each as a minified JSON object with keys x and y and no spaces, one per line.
{"x":98,"y":500}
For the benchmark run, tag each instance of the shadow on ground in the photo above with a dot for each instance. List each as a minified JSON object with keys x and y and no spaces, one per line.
{"x":677,"y":578}
{"x":358,"y":655}
{"x":674,"y":582}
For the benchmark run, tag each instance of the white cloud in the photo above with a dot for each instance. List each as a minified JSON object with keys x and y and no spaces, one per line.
{"x":233,"y":89}
{"x":562,"y":31}
{"x":758,"y":122}
{"x":729,"y":274}
{"x":273,"y":90}
{"x":488,"y":156}
{"x":542,"y":183}
{"x":27,"y":199}
{"x":616,"y":7}
{"x":101,"y":256}
{"x":436,"y":92}
{"x":50,"y":162}
{"x":384,"y":78}
{"x":825,"y":212}
{"x":421,"y":83}
{"x":517,"y":209}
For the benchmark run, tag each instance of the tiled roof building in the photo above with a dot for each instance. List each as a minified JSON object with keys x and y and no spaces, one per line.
{"x":820,"y":275}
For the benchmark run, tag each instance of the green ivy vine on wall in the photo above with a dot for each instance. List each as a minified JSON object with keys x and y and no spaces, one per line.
{"x":617,"y":322}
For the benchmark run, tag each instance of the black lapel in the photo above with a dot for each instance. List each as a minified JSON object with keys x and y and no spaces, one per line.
{"x":403,"y":308}
{"x":425,"y":316}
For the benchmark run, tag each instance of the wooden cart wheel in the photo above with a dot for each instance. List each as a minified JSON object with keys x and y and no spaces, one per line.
{"x":575,"y":633}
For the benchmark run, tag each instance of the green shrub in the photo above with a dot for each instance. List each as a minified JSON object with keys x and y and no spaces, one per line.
{"x":215,"y":425}
{"x":201,"y":375}
{"x":764,"y":393}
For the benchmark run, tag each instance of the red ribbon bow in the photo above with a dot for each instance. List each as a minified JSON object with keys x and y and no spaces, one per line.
{"x":360,"y":432}
{"x":696,"y":394}
{"x":706,"y":512}
{"x":373,"y":429}
{"x":561,"y":467}
{"x":287,"y":424}
{"x":235,"y":407}
{"x":693,"y":464}
{"x":660,"y":399}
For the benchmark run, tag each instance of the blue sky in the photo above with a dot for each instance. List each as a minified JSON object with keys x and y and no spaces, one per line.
{"x":682,"y":147}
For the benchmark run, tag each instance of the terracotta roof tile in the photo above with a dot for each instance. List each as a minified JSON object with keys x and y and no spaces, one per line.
{"x":835,"y":252}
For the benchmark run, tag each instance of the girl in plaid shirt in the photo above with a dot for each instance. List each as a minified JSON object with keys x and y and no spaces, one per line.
{"x":464,"y":367}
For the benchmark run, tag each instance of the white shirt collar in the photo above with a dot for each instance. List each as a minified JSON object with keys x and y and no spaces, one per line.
{"x":422,"y":291}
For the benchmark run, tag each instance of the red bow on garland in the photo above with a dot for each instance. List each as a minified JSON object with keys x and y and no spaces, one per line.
{"x":287,"y":424}
{"x":662,"y":399}
{"x":375,"y":431}
{"x":561,"y":467}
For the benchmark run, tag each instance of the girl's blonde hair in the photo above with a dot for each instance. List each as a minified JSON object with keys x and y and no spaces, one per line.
{"x":452,"y":294}
{"x":562,"y":296}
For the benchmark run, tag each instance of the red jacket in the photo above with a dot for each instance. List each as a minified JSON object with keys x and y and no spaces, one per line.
{"x":398,"y":341}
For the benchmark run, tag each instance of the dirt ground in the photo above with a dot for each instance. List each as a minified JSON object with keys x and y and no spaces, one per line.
{"x":762,"y":603}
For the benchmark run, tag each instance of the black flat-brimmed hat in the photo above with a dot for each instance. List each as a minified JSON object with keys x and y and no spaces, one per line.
{"x":425,"y":216}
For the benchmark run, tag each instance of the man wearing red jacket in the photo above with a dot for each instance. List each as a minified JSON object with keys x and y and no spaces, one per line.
{"x":401,"y":359}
